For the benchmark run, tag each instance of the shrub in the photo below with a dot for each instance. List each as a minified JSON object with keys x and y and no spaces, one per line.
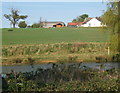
{"x":22,"y":24}
{"x":10,"y":29}
{"x":29,"y":26}
{"x":35,"y":25}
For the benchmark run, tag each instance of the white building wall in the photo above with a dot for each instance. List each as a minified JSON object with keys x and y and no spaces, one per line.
{"x":92,"y":23}
{"x":47,"y":25}
{"x":50,"y":25}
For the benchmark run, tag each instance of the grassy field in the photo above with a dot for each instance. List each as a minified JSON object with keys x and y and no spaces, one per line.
{"x":53,"y":35}
{"x":54,"y":45}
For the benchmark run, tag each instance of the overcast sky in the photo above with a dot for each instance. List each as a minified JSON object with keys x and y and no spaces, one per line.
{"x":52,"y":11}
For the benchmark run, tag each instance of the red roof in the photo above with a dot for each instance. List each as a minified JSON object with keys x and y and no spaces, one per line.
{"x":85,"y":21}
{"x":80,"y":23}
{"x":72,"y":24}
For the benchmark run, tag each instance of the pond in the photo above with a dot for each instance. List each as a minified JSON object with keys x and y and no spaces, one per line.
{"x":29,"y":68}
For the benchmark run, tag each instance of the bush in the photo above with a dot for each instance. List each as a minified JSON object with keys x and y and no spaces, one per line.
{"x":35,"y":25}
{"x":10,"y":29}
{"x":22,"y":24}
{"x":29,"y":26}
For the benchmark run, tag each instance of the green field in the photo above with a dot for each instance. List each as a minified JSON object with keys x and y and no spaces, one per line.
{"x":53,"y":35}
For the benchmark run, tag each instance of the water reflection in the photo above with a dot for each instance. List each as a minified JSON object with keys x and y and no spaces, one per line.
{"x":34,"y":67}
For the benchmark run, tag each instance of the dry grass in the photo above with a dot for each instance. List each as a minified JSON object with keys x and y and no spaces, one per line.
{"x":65,"y":52}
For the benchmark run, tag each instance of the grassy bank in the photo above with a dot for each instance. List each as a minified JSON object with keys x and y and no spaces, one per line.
{"x":59,"y":52}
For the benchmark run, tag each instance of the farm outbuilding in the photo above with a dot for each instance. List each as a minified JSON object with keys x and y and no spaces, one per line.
{"x":58,"y":25}
{"x":53,"y":24}
{"x":71,"y":24}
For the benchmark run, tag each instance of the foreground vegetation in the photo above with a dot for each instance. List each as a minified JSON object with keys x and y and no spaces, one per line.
{"x":59,"y":52}
{"x":53,"y":35}
{"x":62,"y":77}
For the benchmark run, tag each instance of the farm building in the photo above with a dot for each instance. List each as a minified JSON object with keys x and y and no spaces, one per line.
{"x":92,"y":22}
{"x":88,"y":22}
{"x":71,"y":24}
{"x":53,"y":24}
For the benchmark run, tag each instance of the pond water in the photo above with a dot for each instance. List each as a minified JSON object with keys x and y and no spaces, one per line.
{"x":29,"y":68}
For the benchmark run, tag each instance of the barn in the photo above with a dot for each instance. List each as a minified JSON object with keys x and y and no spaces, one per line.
{"x":53,"y":24}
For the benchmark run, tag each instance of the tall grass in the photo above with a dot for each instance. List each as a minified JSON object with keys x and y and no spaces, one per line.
{"x":57,"y":52}
{"x":13,"y":50}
